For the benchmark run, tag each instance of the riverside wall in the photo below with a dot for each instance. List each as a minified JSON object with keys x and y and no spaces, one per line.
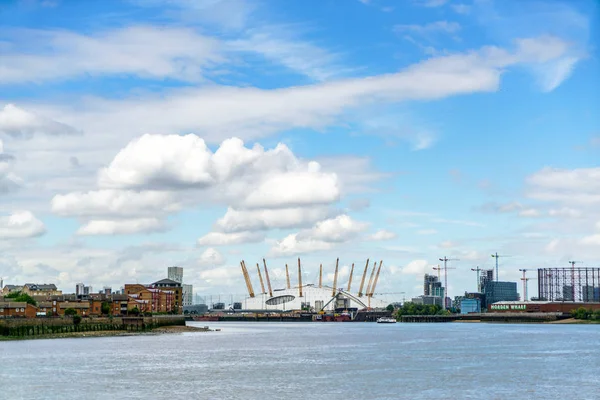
{"x":20,"y":328}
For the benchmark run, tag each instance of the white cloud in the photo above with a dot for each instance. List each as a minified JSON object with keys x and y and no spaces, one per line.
{"x":264,"y":219}
{"x":121,"y":226}
{"x":143,"y":51}
{"x":591,"y":240}
{"x":416,"y":267}
{"x":530,"y":213}
{"x":223,"y":239}
{"x":292,"y":245}
{"x":294,"y":189}
{"x":382,"y":234}
{"x":432,"y":27}
{"x":427,"y":232}
{"x":275,"y":45}
{"x":9,"y":181}
{"x":157,"y":175}
{"x":110,"y":202}
{"x":16,"y":122}
{"x":211,"y":257}
{"x":580,"y":186}
{"x":323,"y":236}
{"x":21,"y":224}
{"x":339,"y":229}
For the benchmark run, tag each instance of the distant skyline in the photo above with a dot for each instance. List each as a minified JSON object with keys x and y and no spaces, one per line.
{"x":138,"y":135}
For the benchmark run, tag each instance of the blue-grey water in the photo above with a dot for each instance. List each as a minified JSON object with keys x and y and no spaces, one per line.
{"x":313,"y":361}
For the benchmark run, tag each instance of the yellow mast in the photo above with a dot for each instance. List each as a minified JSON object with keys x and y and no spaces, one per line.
{"x":371,"y":278}
{"x":299,"y":277}
{"x":247,"y":279}
{"x":335,"y":277}
{"x":376,"y":279}
{"x":262,"y":285}
{"x":267,"y":277}
{"x":287,"y":275}
{"x":321,"y":276}
{"x":350,"y":279}
{"x":362,"y":282}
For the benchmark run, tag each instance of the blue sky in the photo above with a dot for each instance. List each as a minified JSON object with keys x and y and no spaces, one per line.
{"x":142,"y":134}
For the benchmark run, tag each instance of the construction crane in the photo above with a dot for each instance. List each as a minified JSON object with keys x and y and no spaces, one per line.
{"x":262,"y":285}
{"x":497,"y":256}
{"x":335,"y":275}
{"x":438,"y":269}
{"x":287,"y":277}
{"x":299,"y":278}
{"x":247,"y":278}
{"x":371,"y":279}
{"x":573,"y":276}
{"x":478,"y":281}
{"x":445,"y":260}
{"x":267,"y":277}
{"x":350,"y":279}
{"x":525,"y":279}
{"x":362,"y":282}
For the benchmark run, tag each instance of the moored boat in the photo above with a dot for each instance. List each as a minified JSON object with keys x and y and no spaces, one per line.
{"x":386,"y":320}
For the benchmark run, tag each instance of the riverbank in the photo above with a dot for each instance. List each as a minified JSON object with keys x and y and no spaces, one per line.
{"x":91,"y":334}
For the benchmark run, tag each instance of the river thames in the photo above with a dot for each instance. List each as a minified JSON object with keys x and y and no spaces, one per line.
{"x":313,"y":361}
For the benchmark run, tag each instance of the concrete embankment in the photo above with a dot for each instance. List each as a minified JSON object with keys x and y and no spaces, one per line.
{"x":64,"y":326}
{"x":487,"y":317}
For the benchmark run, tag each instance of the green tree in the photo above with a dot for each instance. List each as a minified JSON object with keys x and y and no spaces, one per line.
{"x":105,"y":308}
{"x":390,"y":308}
{"x":70,"y":312}
{"x":134,"y":311}
{"x":76,"y":319}
{"x":21,"y":297}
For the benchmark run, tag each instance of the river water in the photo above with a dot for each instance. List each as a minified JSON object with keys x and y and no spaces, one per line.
{"x":313,"y":361}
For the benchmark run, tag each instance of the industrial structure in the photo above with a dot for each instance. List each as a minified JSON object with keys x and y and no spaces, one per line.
{"x":569,"y":284}
{"x":311,"y":297}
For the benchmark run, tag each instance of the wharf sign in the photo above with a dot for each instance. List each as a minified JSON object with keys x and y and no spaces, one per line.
{"x":520,"y":307}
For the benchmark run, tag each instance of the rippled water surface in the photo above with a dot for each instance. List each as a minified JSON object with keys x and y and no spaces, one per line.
{"x":313,"y":361}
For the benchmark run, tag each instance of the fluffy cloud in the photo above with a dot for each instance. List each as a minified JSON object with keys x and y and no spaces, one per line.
{"x":121,"y":227}
{"x":21,"y":224}
{"x":339,"y":229}
{"x":211,"y":257}
{"x":264,"y":219}
{"x":223,"y":239}
{"x":416,"y":267}
{"x":156,"y":175}
{"x":323,"y":236}
{"x":16,"y":122}
{"x":382,"y":235}
{"x":115,"y":203}
{"x":292,"y":245}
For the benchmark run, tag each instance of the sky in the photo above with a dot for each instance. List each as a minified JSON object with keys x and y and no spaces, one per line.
{"x":137,"y":135}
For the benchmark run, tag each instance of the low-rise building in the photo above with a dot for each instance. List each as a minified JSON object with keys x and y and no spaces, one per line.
{"x":41,"y":289}
{"x":82,"y":308}
{"x":540,"y":306}
{"x":151,"y":299}
{"x":17,"y":309}
{"x":11,"y":288}
{"x":470,"y":305}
